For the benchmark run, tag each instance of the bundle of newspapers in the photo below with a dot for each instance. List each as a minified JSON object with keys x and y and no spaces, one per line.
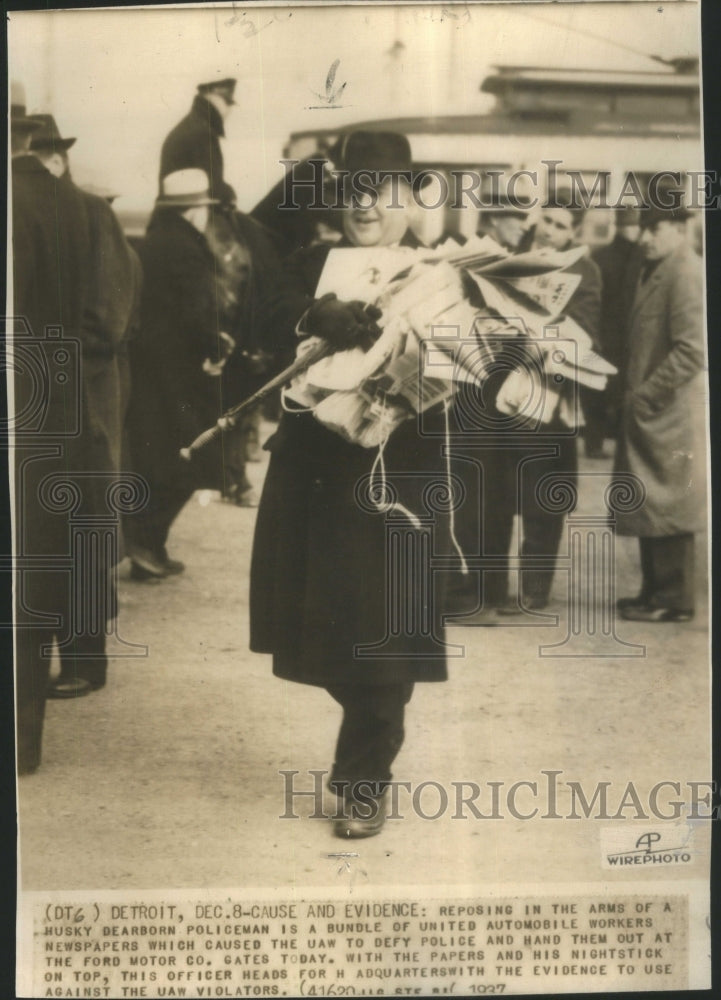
{"x":446,"y":313}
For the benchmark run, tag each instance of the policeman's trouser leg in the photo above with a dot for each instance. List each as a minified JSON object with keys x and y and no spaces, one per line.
{"x":371,"y":733}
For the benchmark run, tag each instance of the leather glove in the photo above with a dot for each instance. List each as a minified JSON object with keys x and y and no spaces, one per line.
{"x":343,"y":324}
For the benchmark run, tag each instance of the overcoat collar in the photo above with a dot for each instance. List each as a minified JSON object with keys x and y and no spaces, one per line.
{"x":28,"y":164}
{"x":172,"y":222}
{"x":659,"y":275}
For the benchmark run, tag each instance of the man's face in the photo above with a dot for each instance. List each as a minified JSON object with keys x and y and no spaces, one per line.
{"x":219,"y":101}
{"x":198,"y":216}
{"x":375,"y":223}
{"x":508,"y":229}
{"x":661,"y":239}
{"x":555,"y":229}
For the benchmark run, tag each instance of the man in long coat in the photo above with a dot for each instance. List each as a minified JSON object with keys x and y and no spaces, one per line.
{"x":112,"y":280}
{"x":320,"y":563}
{"x":176,"y":362}
{"x":661,"y":440}
{"x":61,"y":339}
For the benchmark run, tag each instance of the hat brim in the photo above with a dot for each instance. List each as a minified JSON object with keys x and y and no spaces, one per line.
{"x":53,"y":144}
{"x":418,"y":178}
{"x":185,"y":201}
{"x":24,"y":125}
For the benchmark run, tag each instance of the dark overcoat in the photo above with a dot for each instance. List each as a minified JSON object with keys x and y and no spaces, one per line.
{"x":113,"y":299}
{"x":51,"y":266}
{"x":195,"y":142}
{"x":618,"y":262}
{"x":325,"y":578}
{"x":73,"y":271}
{"x":74,"y":292}
{"x":662,"y":425}
{"x":172,"y":399}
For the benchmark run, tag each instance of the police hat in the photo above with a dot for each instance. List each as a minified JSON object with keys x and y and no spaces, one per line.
{"x":225,"y":87}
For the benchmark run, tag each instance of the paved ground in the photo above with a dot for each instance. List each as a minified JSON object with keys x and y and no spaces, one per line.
{"x":169,"y":776}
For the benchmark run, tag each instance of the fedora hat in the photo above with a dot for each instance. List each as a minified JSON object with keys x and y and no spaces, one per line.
{"x":185,"y":189}
{"x":19,"y":120}
{"x":375,"y":152}
{"x":47,"y":135}
{"x":224,"y":87}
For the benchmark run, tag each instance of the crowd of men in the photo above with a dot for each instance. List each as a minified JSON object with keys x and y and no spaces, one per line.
{"x":216,"y":302}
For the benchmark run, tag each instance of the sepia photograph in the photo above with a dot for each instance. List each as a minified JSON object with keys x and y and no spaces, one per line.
{"x":359,"y":461}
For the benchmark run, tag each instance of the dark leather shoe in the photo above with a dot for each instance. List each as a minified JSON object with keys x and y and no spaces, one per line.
{"x":362,"y":819}
{"x":644,"y":613}
{"x":631,"y":602}
{"x":148,"y":563}
{"x":174,"y":566}
{"x":527,"y":604}
{"x":141,"y":575}
{"x":70,"y":687}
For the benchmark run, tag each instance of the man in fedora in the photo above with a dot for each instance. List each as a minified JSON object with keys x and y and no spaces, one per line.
{"x":661,"y":438}
{"x":319,"y":564}
{"x":176,"y":362}
{"x":53,"y":291}
{"x":49,"y":146}
{"x":112,"y":280}
{"x":195,"y":140}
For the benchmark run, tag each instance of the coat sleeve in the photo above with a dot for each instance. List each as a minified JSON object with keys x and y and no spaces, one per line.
{"x":584,"y":305}
{"x":112,"y":282}
{"x":283,"y":302}
{"x":686,"y":356}
{"x":191,"y":289}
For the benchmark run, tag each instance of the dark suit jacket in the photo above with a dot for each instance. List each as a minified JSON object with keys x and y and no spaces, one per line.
{"x":195,"y":142}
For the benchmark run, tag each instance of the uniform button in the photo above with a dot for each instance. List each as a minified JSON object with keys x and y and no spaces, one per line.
{"x":317,"y":485}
